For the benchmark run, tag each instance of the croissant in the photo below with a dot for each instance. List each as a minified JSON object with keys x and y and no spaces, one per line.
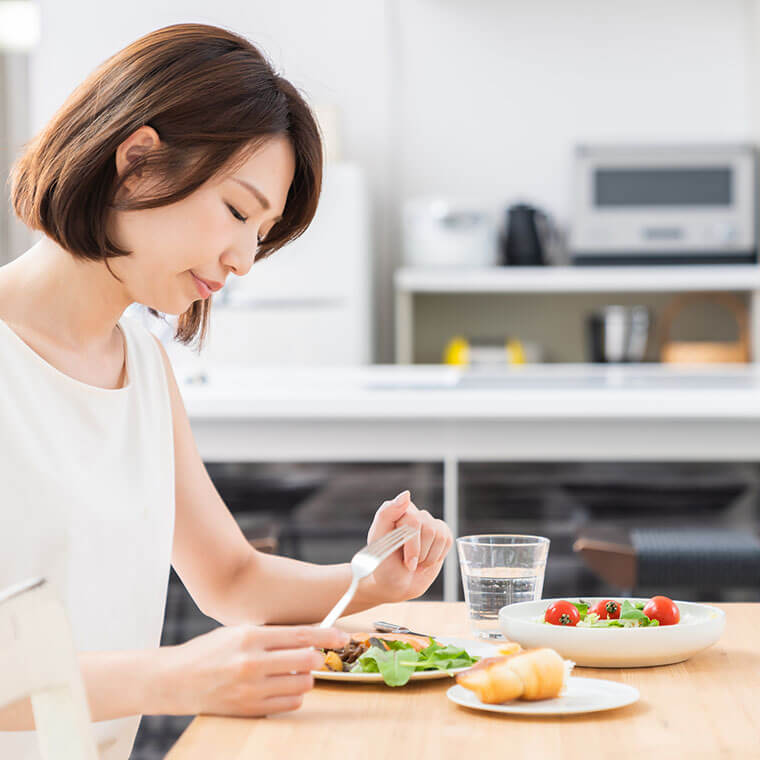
{"x":531,"y":675}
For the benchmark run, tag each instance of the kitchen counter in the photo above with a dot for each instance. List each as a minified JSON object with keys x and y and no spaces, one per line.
{"x":437,"y":392}
{"x":438,"y":413}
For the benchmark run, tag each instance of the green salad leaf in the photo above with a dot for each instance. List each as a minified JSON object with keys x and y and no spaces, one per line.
{"x":607,"y":623}
{"x":393,"y":644}
{"x":582,"y":608}
{"x":631,"y":612}
{"x":397,"y":663}
{"x":438,"y":657}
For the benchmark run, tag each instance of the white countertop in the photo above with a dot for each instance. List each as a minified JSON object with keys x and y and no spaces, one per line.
{"x":440,"y":392}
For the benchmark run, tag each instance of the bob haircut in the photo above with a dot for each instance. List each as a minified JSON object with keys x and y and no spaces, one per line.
{"x":212,"y":98}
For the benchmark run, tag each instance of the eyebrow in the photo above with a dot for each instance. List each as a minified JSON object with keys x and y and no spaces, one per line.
{"x":260,"y":197}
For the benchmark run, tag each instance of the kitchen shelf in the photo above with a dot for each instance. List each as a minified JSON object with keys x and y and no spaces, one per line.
{"x":410,"y":282}
{"x":567,"y":279}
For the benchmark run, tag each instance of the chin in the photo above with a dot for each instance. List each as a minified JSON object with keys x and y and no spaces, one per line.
{"x":173,"y":308}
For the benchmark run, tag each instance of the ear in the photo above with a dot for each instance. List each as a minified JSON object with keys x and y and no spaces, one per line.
{"x":140,"y":142}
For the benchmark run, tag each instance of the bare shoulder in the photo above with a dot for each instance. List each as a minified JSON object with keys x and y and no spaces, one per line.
{"x":162,"y":350}
{"x":186,"y":455}
{"x":167,"y":365}
{"x":178,"y":406}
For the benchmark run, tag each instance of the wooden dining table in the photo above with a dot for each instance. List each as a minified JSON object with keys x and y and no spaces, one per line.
{"x":706,"y":707}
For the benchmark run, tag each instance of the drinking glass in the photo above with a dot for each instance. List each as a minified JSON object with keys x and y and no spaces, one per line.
{"x":498,"y":570}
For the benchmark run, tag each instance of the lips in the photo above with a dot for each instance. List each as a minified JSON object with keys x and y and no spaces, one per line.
{"x":206,"y":287}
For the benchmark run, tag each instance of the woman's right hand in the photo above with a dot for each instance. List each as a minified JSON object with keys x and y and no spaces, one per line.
{"x":245,"y":670}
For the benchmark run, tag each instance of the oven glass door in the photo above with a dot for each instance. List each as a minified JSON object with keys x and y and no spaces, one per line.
{"x":647,"y":187}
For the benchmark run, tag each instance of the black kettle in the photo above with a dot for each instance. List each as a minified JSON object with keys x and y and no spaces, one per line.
{"x":521,"y":244}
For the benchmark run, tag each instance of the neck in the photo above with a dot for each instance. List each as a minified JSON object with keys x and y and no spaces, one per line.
{"x":77,"y":300}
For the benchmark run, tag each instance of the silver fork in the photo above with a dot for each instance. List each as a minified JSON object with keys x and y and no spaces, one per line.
{"x":365,"y":562}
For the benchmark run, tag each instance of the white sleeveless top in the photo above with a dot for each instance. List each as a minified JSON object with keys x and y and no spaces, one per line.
{"x":87,"y":501}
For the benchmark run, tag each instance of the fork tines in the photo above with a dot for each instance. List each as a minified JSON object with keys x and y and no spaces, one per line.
{"x":399,"y":535}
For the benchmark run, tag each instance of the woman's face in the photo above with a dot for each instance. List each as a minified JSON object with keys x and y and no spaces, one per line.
{"x":182,"y":252}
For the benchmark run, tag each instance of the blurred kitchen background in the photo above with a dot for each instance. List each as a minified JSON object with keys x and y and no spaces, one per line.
{"x":549,"y":203}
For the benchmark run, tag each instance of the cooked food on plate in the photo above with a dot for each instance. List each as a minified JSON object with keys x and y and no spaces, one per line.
{"x":509,"y":647}
{"x":609,"y":613}
{"x":395,"y":656}
{"x":531,"y":675}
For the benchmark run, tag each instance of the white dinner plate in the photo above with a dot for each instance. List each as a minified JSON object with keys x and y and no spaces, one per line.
{"x":701,"y":626}
{"x":471,"y":646}
{"x":581,"y":695}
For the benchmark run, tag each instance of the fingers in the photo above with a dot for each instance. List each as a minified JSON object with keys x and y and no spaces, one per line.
{"x":435,"y":540}
{"x":411,"y":549}
{"x":427,"y":536}
{"x":274,"y":705}
{"x":300,"y":637}
{"x":440,"y":546}
{"x":290,"y":661}
{"x":289,"y":685}
{"x":431,"y":543}
{"x":388,"y":514}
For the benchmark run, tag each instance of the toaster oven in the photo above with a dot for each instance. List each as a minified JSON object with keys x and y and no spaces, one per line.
{"x":664,"y":205}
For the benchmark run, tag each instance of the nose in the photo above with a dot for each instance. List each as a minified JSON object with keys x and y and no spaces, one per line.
{"x":238,"y":261}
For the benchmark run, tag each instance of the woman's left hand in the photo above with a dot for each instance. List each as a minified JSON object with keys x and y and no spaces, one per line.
{"x":408,"y":572}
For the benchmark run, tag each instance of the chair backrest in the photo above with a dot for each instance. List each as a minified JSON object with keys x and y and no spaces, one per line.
{"x":37,"y":660}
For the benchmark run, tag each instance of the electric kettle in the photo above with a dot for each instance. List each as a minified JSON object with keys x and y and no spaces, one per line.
{"x":522,"y":243}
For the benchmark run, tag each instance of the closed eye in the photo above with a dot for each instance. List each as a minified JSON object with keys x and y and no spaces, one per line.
{"x":237,"y":214}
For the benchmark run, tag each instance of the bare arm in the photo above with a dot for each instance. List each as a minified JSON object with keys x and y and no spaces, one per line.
{"x":232,"y":582}
{"x":117,"y":684}
{"x":284,"y":591}
{"x":240,"y":670}
{"x":228,"y":579}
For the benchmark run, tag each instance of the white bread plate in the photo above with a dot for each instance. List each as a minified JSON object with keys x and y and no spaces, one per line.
{"x":581,"y":695}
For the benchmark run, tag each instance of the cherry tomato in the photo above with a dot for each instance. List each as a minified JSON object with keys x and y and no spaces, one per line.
{"x":562,"y":613}
{"x":607,"y":609}
{"x":663,"y":609}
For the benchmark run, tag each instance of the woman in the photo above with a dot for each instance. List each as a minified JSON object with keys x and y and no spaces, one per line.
{"x":181,"y":160}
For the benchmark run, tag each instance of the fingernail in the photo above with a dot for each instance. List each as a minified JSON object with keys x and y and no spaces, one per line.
{"x":413,"y":565}
{"x":401,"y":496}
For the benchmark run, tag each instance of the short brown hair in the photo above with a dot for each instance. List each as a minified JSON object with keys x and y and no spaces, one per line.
{"x":210,"y":95}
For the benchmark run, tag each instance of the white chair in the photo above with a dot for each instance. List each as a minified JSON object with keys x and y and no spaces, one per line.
{"x":37,"y":660}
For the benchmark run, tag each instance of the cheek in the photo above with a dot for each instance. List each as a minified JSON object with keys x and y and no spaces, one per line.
{"x":177,"y":237}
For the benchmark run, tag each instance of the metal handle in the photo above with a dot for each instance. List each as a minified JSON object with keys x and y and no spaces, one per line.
{"x":382,"y":627}
{"x":336,"y":611}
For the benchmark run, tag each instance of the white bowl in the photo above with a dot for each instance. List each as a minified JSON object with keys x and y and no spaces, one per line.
{"x":701,"y":625}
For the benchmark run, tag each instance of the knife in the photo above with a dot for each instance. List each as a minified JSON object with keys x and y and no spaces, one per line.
{"x":383,"y":627}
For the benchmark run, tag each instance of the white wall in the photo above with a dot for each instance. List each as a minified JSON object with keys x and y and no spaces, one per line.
{"x":496,"y":94}
{"x":473,"y":98}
